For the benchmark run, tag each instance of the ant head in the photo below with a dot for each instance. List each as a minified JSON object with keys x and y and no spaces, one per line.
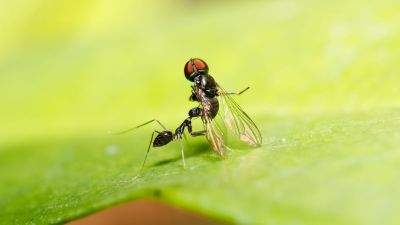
{"x":195,"y":67}
{"x":163,"y":138}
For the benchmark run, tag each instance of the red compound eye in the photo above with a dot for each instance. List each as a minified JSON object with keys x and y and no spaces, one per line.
{"x":195,"y":67}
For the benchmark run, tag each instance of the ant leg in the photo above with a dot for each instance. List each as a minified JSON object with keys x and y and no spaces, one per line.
{"x":183,"y":154}
{"x":188,"y":124}
{"x":147,"y":153}
{"x":236,"y":93}
{"x":133,"y":128}
{"x":193,"y":113}
{"x":184,"y":136}
{"x":178,"y":135}
{"x":198,"y":133}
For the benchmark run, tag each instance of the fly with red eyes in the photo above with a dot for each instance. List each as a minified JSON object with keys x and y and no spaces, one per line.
{"x":214,"y":100}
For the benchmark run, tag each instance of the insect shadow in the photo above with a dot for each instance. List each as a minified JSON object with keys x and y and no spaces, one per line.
{"x":196,"y":149}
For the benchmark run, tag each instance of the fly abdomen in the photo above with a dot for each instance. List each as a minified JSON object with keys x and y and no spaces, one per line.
{"x":211,"y":106}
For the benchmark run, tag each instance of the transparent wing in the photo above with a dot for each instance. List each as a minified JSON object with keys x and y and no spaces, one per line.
{"x":237,"y":120}
{"x":215,"y":127}
{"x":214,"y":135}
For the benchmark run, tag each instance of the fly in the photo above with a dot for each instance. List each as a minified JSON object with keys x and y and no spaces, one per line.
{"x":214,"y":100}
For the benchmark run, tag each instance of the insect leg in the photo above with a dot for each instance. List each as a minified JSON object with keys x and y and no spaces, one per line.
{"x":141,"y":125}
{"x":188,"y":124}
{"x":193,"y":113}
{"x":147,"y":153}
{"x":183,"y":154}
{"x":236,"y":93}
{"x":178,"y":135}
{"x":193,"y":97}
{"x":198,"y":133}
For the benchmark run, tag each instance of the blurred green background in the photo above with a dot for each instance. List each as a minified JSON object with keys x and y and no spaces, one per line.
{"x":69,"y":67}
{"x":73,"y":70}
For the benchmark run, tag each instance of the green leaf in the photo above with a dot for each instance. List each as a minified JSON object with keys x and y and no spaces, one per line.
{"x":337,"y":169}
{"x":324,"y":92}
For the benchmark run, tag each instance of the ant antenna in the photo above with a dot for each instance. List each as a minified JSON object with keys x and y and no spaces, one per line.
{"x":141,"y":125}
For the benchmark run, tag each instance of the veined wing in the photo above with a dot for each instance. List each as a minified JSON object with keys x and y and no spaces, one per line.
{"x":214,"y":126}
{"x":214,"y":135}
{"x":237,"y":120}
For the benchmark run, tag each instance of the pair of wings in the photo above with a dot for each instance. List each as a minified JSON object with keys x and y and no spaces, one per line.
{"x":234,"y":118}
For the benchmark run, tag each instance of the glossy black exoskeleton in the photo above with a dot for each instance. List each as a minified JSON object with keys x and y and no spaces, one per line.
{"x":207,"y":92}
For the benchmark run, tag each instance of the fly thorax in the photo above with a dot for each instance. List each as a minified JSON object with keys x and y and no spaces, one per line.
{"x":207,"y":84}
